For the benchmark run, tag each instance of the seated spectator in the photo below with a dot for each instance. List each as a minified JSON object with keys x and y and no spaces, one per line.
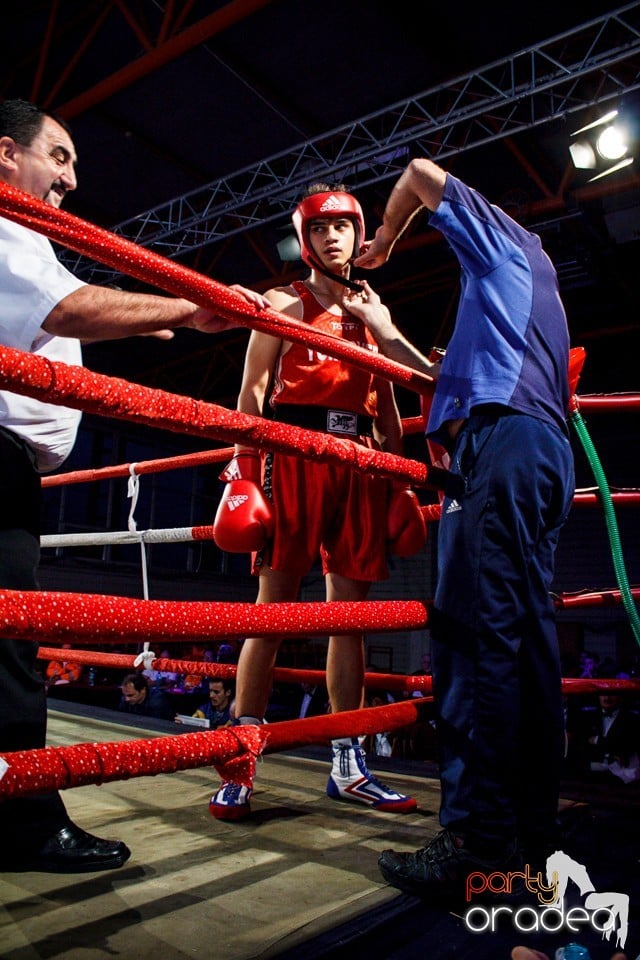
{"x":423,"y":671}
{"x":226,"y":654}
{"x":588,"y":664}
{"x":425,"y":665}
{"x":63,"y":671}
{"x":606,"y":740}
{"x":219,"y":708}
{"x":145,"y":701}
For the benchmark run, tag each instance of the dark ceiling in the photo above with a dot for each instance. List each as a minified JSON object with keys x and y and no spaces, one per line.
{"x":173,"y":99}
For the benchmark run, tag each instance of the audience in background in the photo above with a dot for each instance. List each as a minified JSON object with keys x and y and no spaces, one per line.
{"x":226,"y":653}
{"x":424,"y":671}
{"x":197,"y":683}
{"x":604,"y":739}
{"x":218,"y":709}
{"x":63,"y":671}
{"x":309,"y":700}
{"x":143,"y":700}
{"x":588,"y":664}
{"x":425,"y":664}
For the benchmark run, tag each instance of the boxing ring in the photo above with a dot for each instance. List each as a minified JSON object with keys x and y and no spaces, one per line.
{"x":84,"y":619}
{"x":252,"y":890}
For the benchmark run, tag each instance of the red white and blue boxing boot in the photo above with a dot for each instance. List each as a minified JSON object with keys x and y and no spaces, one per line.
{"x":351,"y":780}
{"x":231,"y":802}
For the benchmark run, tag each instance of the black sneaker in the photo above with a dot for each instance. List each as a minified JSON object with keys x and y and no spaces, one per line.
{"x":440,"y":869}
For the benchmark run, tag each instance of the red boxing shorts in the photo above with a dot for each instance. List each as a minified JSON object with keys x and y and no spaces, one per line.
{"x":327,"y":510}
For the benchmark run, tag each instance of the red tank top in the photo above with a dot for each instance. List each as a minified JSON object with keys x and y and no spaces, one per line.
{"x":303,"y":375}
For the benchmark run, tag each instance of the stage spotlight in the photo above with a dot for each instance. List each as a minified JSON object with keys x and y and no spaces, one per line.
{"x":601,"y":141}
{"x":611,"y":115}
{"x":616,"y":166}
{"x":583,"y":155}
{"x":289,"y":248}
{"x":611,"y":144}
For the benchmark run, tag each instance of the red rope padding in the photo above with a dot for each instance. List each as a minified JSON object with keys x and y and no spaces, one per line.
{"x":202,"y":532}
{"x":419,"y":683}
{"x":231,"y":750}
{"x":156,"y":466}
{"x":144,"y":467}
{"x":121,"y":661}
{"x":42,"y":616}
{"x":51,"y":615}
{"x":287,"y":734}
{"x":601,"y":685}
{"x":602,"y":598}
{"x":618,"y":401}
{"x":388,"y":681}
{"x":127,"y":257}
{"x":60,"y":383}
{"x":621,"y":498}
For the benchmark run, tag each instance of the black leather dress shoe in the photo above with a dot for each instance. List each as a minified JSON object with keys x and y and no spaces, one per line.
{"x":73,"y":850}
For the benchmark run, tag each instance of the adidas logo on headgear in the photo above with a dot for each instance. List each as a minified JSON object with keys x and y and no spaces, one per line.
{"x":236,"y":500}
{"x":331,"y":203}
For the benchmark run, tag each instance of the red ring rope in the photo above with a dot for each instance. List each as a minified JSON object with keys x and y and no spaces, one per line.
{"x":60,"y":383}
{"x":123,"y":255}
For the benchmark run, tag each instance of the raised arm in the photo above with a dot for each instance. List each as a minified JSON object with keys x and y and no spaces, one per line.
{"x":367,"y":306}
{"x":420,"y":185}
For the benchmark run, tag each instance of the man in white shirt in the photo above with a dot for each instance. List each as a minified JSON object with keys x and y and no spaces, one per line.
{"x":45,"y":310}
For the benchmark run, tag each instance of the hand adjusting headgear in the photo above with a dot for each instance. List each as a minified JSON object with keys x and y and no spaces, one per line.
{"x":333,"y":203}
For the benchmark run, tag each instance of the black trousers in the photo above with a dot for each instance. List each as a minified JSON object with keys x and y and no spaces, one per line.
{"x":496,"y":662}
{"x":24,"y":821}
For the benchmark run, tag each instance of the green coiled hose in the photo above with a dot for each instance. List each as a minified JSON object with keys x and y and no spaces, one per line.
{"x":610,"y":519}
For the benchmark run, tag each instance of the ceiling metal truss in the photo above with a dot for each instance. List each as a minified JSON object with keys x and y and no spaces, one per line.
{"x":589,"y":65}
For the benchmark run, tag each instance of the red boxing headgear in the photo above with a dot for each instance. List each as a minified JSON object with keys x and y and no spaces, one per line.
{"x":332,"y":204}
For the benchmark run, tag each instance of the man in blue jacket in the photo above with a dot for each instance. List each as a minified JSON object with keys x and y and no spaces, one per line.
{"x":499,"y":410}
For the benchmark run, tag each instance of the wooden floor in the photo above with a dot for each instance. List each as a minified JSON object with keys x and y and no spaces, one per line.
{"x":298,"y":880}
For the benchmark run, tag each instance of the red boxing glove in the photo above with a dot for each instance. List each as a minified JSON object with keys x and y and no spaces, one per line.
{"x":244,"y":518}
{"x":406,"y":526}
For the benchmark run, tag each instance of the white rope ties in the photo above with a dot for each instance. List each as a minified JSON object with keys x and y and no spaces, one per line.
{"x":145,"y":658}
{"x":133,"y":489}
